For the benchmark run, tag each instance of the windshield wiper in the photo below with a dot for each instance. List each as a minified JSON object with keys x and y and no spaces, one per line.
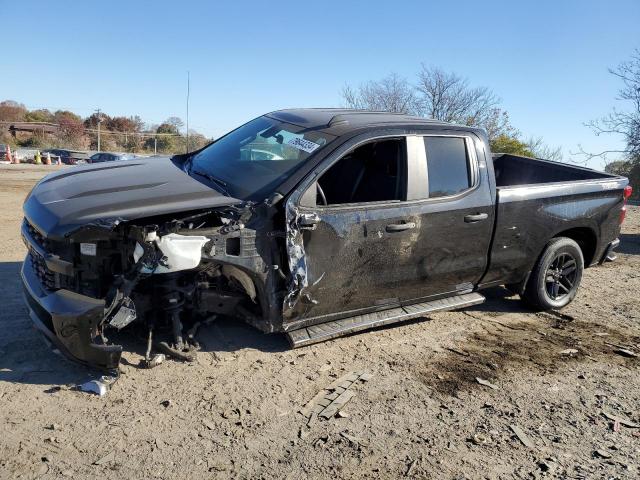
{"x":221,"y":183}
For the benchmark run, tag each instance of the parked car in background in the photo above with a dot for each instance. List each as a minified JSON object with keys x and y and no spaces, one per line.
{"x":68,"y":157}
{"x":3,"y":152}
{"x":110,"y":157}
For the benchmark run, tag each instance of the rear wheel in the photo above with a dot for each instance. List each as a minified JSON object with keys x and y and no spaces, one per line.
{"x":554,"y":281}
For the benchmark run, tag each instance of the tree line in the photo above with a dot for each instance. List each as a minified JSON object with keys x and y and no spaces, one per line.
{"x":441,"y":95}
{"x":117,"y":133}
{"x":448,"y":97}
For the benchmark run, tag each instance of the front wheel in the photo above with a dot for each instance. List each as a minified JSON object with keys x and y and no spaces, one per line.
{"x":555,"y":279}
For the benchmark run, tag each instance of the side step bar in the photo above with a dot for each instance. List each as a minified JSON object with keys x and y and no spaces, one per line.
{"x":326,"y":331}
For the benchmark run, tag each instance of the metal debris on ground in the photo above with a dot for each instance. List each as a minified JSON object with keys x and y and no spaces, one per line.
{"x":526,"y":441}
{"x":329,"y":401}
{"x":99,"y":386}
{"x":486,"y":383}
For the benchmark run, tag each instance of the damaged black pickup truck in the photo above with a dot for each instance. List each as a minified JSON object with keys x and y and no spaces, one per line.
{"x":313,"y":222}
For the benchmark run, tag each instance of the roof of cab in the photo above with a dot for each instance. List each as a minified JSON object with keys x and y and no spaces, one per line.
{"x":345,"y":119}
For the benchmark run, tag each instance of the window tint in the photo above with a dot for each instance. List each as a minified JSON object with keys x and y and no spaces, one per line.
{"x":447,"y":165}
{"x":373,"y":172}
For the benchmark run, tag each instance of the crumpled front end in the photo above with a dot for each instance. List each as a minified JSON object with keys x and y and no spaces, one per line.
{"x":168,"y":273}
{"x":69,"y":321}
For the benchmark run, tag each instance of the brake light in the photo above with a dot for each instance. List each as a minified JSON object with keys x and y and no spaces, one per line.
{"x":626,"y":193}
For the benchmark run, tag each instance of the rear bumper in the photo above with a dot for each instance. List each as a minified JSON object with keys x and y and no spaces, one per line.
{"x":609,"y":254}
{"x":69,"y":321}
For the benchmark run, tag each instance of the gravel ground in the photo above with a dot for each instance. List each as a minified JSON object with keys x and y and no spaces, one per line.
{"x":234,"y":413}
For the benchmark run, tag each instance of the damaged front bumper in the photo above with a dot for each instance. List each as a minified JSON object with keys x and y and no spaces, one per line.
{"x":69,"y":321}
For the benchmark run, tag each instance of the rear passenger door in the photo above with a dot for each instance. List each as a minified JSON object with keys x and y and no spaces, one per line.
{"x":453,"y":208}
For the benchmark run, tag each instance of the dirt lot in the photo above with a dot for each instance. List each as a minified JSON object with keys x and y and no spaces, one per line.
{"x":235,"y":412}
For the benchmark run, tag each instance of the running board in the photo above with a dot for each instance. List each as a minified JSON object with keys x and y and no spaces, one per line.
{"x":326,"y":331}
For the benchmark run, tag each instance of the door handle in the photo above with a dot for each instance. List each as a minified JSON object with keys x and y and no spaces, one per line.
{"x":308,"y":221}
{"x":399,"y":227}
{"x":478,"y":217}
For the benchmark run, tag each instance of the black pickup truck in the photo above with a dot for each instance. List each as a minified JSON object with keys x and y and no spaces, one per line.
{"x":313,"y":222}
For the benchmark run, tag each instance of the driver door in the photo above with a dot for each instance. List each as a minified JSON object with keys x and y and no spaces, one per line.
{"x":354,"y":233}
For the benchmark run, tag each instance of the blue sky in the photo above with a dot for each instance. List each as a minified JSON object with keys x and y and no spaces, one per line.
{"x":547,"y":60}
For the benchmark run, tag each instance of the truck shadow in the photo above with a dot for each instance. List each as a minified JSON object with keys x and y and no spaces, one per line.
{"x":24,"y":355}
{"x":26,"y":358}
{"x":629,"y":244}
{"x":500,"y":301}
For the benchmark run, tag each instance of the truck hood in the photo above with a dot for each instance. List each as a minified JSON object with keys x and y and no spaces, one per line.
{"x":106,"y":194}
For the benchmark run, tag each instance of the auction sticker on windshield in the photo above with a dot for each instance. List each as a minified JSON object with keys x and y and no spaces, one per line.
{"x":302,"y":144}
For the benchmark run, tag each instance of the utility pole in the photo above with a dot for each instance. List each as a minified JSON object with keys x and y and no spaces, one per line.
{"x":155,"y":144}
{"x":99,"y":122}
{"x":188,"y":111}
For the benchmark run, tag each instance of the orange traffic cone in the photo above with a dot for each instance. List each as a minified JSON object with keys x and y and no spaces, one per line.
{"x":8,"y":154}
{"x":47,"y":159}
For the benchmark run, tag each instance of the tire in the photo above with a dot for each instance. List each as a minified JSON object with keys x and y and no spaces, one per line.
{"x":555,"y":279}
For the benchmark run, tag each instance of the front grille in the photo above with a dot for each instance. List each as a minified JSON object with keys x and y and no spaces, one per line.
{"x":48,"y":279}
{"x":40,"y":239}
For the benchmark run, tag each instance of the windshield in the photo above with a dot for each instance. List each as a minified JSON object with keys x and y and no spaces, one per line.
{"x":251,"y":161}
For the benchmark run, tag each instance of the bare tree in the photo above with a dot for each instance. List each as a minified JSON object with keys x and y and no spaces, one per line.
{"x":391,"y":94}
{"x":175,"y":121}
{"x":448,"y":97}
{"x":625,"y":123}
{"x":541,"y":150}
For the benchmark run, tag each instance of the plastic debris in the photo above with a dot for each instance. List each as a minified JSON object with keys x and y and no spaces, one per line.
{"x":99,"y":386}
{"x":626,"y":352}
{"x":486,"y":383}
{"x":569,"y":351}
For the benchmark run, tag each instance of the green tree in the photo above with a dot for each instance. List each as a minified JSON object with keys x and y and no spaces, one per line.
{"x":40,"y":115}
{"x":510,"y":144}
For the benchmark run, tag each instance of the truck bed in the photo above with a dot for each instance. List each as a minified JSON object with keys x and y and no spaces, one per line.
{"x":539,"y":199}
{"x":514,"y":170}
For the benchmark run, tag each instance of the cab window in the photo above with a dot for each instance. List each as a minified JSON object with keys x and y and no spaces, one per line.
{"x":373,"y":172}
{"x":447,"y":165}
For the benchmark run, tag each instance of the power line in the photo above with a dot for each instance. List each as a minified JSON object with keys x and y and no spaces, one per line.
{"x":188,"y":82}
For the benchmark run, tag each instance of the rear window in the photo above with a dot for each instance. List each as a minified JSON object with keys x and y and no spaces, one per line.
{"x":448,"y":166}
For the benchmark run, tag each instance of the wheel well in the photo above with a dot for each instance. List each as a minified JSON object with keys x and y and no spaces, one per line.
{"x":586,"y":240}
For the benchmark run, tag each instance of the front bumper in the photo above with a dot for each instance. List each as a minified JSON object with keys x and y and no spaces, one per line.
{"x":69,"y":321}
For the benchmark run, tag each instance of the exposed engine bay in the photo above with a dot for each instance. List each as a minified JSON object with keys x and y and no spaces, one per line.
{"x":168,"y":275}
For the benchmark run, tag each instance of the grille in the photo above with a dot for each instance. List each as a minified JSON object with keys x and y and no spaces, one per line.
{"x":47,"y":278}
{"x":36,"y":235}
